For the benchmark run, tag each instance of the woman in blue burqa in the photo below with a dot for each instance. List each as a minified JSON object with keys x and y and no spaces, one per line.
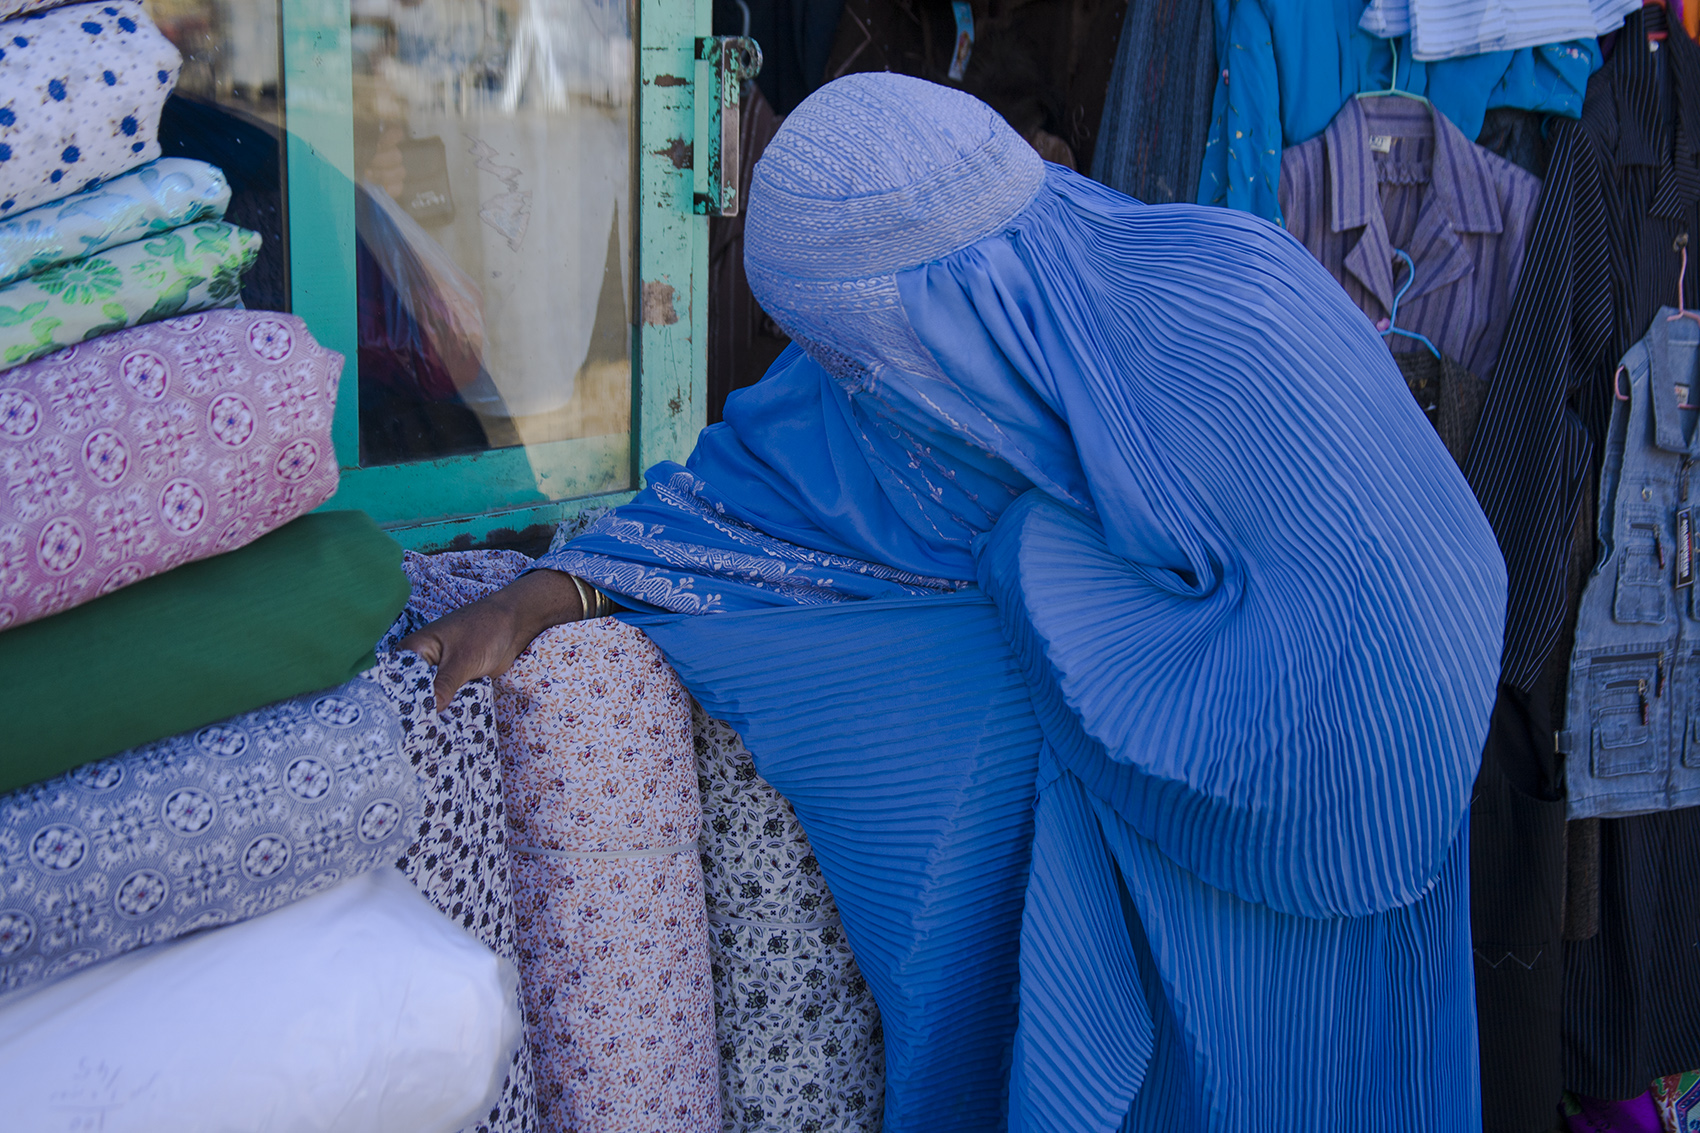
{"x":1116,"y":623}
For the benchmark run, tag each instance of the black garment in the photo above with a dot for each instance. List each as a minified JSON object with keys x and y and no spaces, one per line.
{"x":743,"y":340}
{"x":1448,"y":394}
{"x":1157,"y":112}
{"x":1632,"y":991}
{"x":795,"y":37}
{"x":1042,"y":64}
{"x":1623,"y":182}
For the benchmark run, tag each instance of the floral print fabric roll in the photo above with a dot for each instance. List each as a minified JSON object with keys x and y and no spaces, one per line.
{"x":81,"y":90}
{"x":157,"y":446}
{"x":801,"y":1049}
{"x":602,"y":819}
{"x":206,"y":828}
{"x":149,"y":201}
{"x":458,"y":856}
{"x":195,"y":268}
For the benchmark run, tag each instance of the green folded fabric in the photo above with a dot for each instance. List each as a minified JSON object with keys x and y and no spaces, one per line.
{"x":193,"y":268}
{"x":296,"y":610}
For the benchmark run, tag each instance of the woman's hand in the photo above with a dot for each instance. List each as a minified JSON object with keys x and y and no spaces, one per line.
{"x":483,"y":638}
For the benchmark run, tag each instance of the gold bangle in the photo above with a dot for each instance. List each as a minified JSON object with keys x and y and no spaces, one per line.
{"x":592,"y":603}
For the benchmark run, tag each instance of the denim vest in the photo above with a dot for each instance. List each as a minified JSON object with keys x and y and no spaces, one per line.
{"x":1632,"y":736}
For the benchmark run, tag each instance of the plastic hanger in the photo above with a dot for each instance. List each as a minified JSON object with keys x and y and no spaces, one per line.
{"x":1680,"y":244}
{"x":1393,"y":82}
{"x":1392,"y":326}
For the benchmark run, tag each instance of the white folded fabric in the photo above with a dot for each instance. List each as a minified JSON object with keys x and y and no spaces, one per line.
{"x":359,"y":1010}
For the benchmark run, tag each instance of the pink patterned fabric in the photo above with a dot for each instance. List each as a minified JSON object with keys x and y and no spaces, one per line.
{"x":600,"y":777}
{"x":138,"y":452}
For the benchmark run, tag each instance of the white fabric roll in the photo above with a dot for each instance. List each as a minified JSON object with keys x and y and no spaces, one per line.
{"x":361,"y":1009}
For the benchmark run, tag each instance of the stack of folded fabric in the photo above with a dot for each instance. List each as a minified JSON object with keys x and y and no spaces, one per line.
{"x":199,"y":733}
{"x":97,"y":244}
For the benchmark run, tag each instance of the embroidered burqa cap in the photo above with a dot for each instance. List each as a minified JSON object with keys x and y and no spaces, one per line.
{"x":875,"y":174}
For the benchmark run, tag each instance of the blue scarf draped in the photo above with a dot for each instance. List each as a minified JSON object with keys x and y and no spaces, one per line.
{"x":1112,"y":616}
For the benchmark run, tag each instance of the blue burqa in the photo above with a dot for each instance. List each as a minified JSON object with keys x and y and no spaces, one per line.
{"x":1116,"y":623}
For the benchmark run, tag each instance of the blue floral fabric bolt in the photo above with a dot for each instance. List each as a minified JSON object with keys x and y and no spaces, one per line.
{"x":81,"y":90}
{"x":149,"y":201}
{"x":206,"y":828}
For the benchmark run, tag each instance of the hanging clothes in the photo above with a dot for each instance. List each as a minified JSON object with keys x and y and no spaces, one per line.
{"x":1446,"y":29}
{"x":1632,"y":729}
{"x":1023,"y":378}
{"x":1043,"y":64}
{"x":1157,"y":111}
{"x":1448,"y":394}
{"x":1391,"y":173}
{"x":1622,"y":184}
{"x":1287,"y":66}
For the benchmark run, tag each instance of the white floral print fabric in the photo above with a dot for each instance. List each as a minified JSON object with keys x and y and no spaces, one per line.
{"x":206,"y":828}
{"x":149,"y":201}
{"x":801,"y":1049}
{"x":603,"y":817}
{"x":457,"y":856}
{"x":197,"y":267}
{"x":157,"y":446}
{"x":81,"y":90}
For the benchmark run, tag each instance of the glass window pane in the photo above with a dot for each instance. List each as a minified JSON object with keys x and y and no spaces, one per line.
{"x":228,"y":110}
{"x":492,"y":144}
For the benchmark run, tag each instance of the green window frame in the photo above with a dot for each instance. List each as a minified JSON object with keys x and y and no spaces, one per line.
{"x":427,"y":505}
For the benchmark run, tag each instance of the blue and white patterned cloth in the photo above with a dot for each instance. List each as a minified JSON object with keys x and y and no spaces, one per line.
{"x":165,"y":194}
{"x":1196,"y":759}
{"x":81,"y":91}
{"x":206,"y":828}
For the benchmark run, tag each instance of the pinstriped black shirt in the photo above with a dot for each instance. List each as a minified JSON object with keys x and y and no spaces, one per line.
{"x":1623,"y":183}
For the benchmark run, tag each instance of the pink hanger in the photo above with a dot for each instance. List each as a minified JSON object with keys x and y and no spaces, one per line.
{"x":1680,"y":244}
{"x":1657,"y":36}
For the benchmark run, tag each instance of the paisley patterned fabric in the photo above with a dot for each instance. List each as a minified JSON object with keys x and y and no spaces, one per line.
{"x":458,"y":857}
{"x":194,"y":268}
{"x":206,"y":828}
{"x":801,"y":1048}
{"x":603,"y":816}
{"x":154,"y":199}
{"x":156,"y":446}
{"x":81,"y":90}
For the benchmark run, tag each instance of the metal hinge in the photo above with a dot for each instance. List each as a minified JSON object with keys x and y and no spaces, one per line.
{"x":732,"y":61}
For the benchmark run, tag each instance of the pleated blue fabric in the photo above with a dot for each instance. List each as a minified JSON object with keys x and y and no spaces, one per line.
{"x":1203,"y":543}
{"x":903,"y":737}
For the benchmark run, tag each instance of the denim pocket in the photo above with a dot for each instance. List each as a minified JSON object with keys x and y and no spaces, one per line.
{"x":1627,"y":710}
{"x":1691,"y":741}
{"x":1643,"y":590}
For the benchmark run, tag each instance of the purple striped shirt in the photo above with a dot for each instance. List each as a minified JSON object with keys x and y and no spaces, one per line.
{"x":1392,"y":173}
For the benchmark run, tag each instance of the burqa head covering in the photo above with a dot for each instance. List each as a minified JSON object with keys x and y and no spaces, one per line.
{"x":879,"y":173}
{"x":1255,"y":592}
